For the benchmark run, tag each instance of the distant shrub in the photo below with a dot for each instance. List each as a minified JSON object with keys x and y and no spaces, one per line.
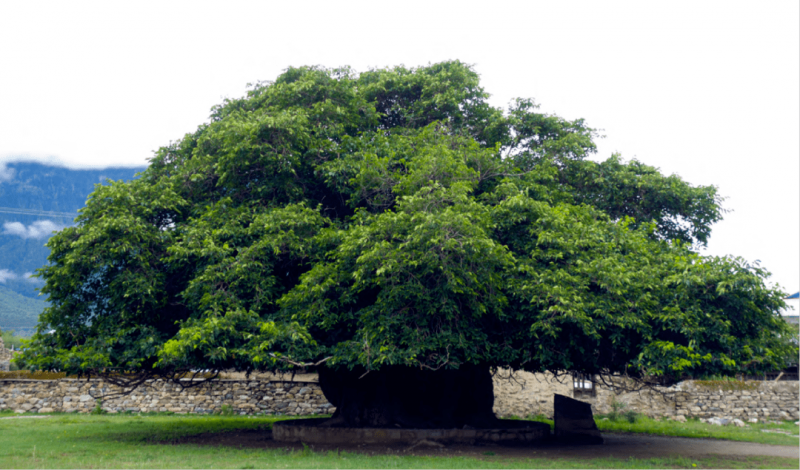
{"x":11,"y":340}
{"x":630,"y":416}
{"x":619,"y":412}
{"x":98,"y":408}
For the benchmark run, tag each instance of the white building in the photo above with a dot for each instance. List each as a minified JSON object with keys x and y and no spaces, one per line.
{"x":792,"y":311}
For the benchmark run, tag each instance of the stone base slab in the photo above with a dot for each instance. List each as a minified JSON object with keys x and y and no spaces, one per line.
{"x":514,"y":432}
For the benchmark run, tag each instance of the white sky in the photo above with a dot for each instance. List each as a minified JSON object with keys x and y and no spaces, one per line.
{"x":708,"y":90}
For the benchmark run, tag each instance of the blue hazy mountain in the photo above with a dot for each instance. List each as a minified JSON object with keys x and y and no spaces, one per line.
{"x":35,"y":200}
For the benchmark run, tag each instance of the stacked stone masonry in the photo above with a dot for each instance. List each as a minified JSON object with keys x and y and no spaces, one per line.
{"x":240,"y":396}
{"x":524,"y":394}
{"x":762,"y":400}
{"x":519,"y":394}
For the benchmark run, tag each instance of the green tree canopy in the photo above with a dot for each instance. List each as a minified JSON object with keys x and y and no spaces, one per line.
{"x":393,"y":218}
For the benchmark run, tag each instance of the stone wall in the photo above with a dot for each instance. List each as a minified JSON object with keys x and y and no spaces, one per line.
{"x":520,"y":394}
{"x":750,"y":399}
{"x":524,"y":394}
{"x":241,"y":396}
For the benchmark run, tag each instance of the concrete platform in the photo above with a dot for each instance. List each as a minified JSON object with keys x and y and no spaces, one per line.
{"x":513,"y":432}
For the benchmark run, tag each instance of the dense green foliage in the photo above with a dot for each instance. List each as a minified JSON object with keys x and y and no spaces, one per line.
{"x":395,"y":218}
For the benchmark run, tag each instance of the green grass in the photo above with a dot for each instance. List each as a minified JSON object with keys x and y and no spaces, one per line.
{"x":151,"y":441}
{"x":694,"y":428}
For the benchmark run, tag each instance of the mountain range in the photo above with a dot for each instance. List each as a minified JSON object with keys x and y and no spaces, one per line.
{"x":37,"y":199}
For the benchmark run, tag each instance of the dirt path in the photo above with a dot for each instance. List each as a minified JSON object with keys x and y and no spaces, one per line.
{"x":620,"y":446}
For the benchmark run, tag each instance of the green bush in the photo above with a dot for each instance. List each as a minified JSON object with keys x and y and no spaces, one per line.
{"x":630,"y":416}
{"x":620,"y":413}
{"x":11,"y":340}
{"x":98,"y":408}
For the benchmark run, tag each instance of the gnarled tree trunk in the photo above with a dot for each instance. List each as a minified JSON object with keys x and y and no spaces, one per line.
{"x":398,"y":396}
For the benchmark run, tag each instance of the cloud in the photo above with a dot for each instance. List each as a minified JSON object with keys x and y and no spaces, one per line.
{"x":38,"y":229}
{"x":50,"y":160}
{"x":6,"y":173}
{"x":5,"y":275}
{"x":28,"y":276}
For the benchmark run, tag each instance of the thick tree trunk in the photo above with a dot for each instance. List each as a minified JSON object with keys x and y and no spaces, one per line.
{"x":403,"y":397}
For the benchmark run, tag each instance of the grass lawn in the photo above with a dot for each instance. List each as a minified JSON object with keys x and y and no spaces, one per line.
{"x":143,"y":441}
{"x":757,"y":432}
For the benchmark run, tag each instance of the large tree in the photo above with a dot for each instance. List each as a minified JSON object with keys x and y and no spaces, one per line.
{"x":397,"y":233}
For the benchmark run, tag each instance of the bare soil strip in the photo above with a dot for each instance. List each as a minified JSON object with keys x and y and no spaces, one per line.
{"x":621,"y":446}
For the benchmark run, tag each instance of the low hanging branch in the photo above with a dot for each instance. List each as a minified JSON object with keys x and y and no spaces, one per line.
{"x":128,"y":382}
{"x":300,"y":364}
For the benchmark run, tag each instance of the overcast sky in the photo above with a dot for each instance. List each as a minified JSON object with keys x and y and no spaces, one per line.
{"x":707,"y":90}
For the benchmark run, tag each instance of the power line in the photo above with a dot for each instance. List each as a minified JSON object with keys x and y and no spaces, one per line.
{"x":13,"y":210}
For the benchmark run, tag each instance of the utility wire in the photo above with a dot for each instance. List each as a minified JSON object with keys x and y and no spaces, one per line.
{"x":13,"y":210}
